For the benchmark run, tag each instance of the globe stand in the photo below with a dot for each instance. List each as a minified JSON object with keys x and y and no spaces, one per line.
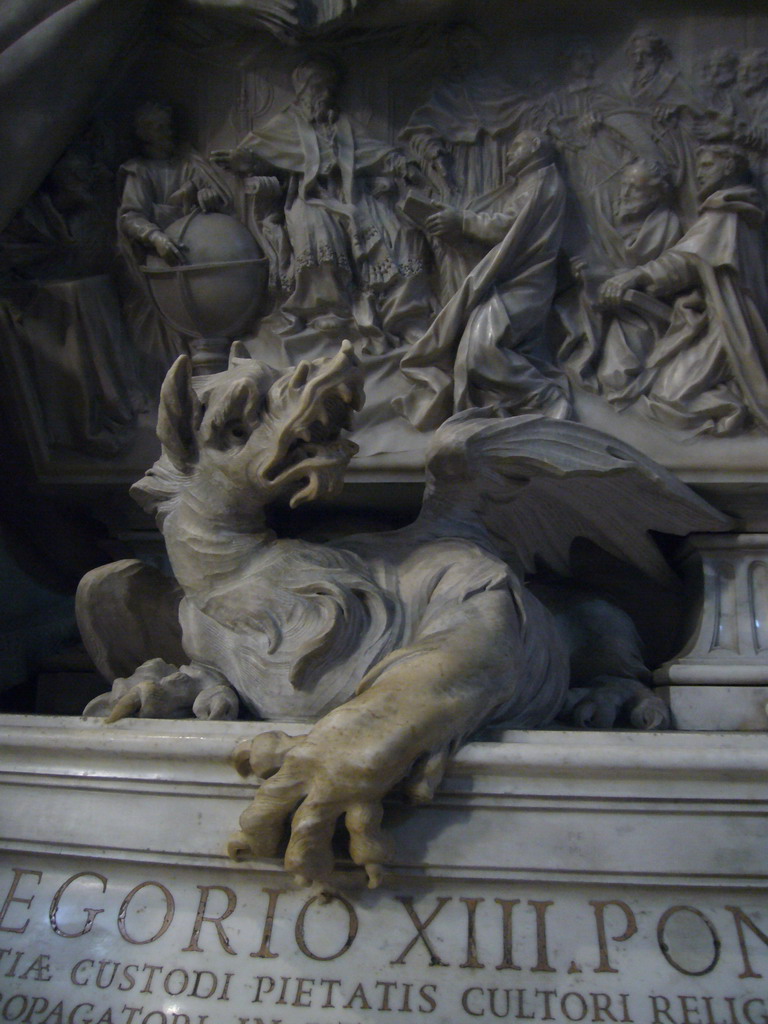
{"x":209,"y":355}
{"x":213,"y":295}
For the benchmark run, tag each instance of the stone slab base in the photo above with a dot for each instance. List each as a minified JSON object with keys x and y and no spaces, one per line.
{"x":558,"y":876}
{"x":707,"y":708}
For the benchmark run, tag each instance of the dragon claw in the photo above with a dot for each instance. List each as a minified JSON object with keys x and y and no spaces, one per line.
{"x":650,"y":713}
{"x":264,"y":754}
{"x":241,"y":758}
{"x":239,"y":847}
{"x":375,"y":874}
{"x":126,"y":706}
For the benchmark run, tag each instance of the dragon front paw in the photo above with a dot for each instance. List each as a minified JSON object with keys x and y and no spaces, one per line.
{"x":308,"y":787}
{"x":426,"y":775}
{"x":595,"y":710}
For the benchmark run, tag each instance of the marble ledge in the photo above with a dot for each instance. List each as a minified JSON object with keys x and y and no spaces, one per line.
{"x":650,"y":809}
{"x":201,"y":751}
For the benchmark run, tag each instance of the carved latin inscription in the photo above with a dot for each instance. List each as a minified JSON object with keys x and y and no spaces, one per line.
{"x":171,"y":952}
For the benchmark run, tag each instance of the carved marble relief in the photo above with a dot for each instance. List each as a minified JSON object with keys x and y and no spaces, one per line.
{"x":495,"y":246}
{"x":488,"y":231}
{"x":628,"y":186}
{"x":707,"y":371}
{"x":486,"y":348}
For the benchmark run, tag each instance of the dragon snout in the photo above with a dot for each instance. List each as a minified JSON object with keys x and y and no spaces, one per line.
{"x":309,"y":408}
{"x":346,"y":364}
{"x":347,"y":351}
{"x":340,"y":373}
{"x":341,"y":370}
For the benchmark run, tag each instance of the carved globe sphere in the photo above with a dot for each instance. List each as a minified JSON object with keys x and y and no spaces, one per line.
{"x":222,"y":283}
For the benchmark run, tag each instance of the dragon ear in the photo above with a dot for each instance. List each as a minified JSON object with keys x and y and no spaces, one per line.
{"x":238,"y":353}
{"x":179,"y":415}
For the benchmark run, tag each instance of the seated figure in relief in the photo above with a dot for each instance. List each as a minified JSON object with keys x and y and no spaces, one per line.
{"x":350,"y":248}
{"x":606,"y":350}
{"x":708,"y":372}
{"x":163,"y":184}
{"x":753,"y":88}
{"x":487,"y":348}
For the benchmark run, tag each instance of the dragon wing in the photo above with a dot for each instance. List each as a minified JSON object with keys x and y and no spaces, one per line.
{"x":534,"y":485}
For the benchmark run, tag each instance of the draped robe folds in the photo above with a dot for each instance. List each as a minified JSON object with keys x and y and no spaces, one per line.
{"x":57,"y":60}
{"x":628,"y":335}
{"x":333,"y":219}
{"x":710,"y":370}
{"x":472,"y":118}
{"x":755,"y":115}
{"x":486,"y":345}
{"x":608,"y":351}
{"x":593,"y":159}
{"x":672,"y":140}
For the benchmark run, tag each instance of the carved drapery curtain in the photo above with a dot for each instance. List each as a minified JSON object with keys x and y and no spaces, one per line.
{"x":56,"y":57}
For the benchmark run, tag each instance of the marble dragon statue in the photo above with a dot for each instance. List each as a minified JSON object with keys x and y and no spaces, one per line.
{"x":399,"y":645}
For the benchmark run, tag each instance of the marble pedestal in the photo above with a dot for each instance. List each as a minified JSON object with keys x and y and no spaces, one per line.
{"x":720,"y":679}
{"x":558,"y":876}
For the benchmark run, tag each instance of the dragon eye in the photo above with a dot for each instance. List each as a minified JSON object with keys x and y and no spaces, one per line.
{"x":237,"y":431}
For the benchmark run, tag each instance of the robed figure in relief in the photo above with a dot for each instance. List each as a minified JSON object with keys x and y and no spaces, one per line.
{"x":487,"y":347}
{"x":459,"y":138}
{"x":606,"y":350}
{"x":709,"y":372}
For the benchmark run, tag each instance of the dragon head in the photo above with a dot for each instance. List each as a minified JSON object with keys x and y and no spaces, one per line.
{"x":252,"y":434}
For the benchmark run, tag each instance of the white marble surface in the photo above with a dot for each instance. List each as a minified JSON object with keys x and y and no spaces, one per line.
{"x":638,"y":863}
{"x":718,"y":680}
{"x":729,"y":642}
{"x":704,"y":708}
